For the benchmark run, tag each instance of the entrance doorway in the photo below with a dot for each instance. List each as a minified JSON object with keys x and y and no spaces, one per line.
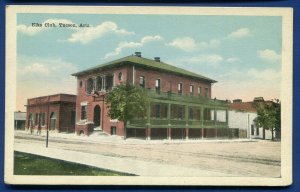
{"x":97,"y":116}
{"x":113,"y":130}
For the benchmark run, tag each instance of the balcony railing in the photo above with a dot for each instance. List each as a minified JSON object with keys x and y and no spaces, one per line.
{"x":177,"y":123}
{"x":185,"y":98}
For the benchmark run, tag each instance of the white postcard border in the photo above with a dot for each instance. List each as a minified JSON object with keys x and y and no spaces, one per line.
{"x":286,"y":97}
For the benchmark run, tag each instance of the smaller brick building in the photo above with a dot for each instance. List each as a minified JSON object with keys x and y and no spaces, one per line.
{"x":53,"y":112}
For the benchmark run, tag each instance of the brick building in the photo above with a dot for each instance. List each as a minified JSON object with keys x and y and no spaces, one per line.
{"x":180,"y":100}
{"x":53,"y":112}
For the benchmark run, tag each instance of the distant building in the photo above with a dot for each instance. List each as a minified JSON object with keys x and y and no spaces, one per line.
{"x":242,"y":115}
{"x":52,"y":112}
{"x":20,"y":120}
{"x":180,"y":101}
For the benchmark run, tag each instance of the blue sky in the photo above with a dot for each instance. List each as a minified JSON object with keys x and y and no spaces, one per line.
{"x":243,"y":53}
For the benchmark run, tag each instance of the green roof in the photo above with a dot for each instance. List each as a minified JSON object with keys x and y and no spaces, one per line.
{"x":146,"y":63}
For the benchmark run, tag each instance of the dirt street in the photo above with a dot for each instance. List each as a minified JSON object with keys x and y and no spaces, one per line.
{"x":257,"y":158}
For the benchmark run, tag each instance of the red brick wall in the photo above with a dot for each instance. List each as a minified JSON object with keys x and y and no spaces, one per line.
{"x":169,"y":82}
{"x":65,"y":123}
{"x":91,"y":102}
{"x":105,"y":121}
{"x":63,"y":115}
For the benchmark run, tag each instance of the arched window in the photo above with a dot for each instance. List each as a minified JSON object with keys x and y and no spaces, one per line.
{"x":53,"y":121}
{"x":30,"y":120}
{"x":36,"y":119}
{"x":89,"y":86}
{"x":120,"y":76}
{"x":99,"y":83}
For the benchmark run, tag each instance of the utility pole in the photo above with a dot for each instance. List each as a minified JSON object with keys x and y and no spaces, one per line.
{"x":48,"y":123}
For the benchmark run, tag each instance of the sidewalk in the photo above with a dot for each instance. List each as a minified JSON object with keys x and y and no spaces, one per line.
{"x":120,"y":164}
{"x":95,"y":138}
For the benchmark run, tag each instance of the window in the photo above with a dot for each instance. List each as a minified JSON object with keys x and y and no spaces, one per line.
{"x":43,"y":119}
{"x":73,"y":117}
{"x":192,"y":89}
{"x":206,"y":114}
{"x":113,"y":130}
{"x":157,"y":111}
{"x":36,"y":119}
{"x":157,"y":85}
{"x":191,"y":113}
{"x":109,"y":82}
{"x":120,"y":76}
{"x":252,"y":129}
{"x":180,"y":114}
{"x":98,"y":83}
{"x":142,"y":81}
{"x":199,"y":91}
{"x":83,"y":112}
{"x":180,"y":88}
{"x":177,"y":112}
{"x":53,"y":121}
{"x":30,"y":120}
{"x":80,"y":84}
{"x":257,"y":131}
{"x":89,"y":86}
{"x":206,"y":92}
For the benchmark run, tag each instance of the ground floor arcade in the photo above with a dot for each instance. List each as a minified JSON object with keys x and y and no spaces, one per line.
{"x":184,"y":133}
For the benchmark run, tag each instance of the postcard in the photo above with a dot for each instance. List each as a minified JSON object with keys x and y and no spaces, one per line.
{"x":141,"y":95}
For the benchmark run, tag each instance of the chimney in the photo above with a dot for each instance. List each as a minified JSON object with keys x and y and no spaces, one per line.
{"x":138,"y":54}
{"x":157,"y":59}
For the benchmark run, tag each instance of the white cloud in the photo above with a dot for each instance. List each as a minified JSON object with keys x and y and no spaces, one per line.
{"x":251,"y":83}
{"x":269,"y":55}
{"x":147,"y":39}
{"x":267,"y":74}
{"x":43,"y":76}
{"x":88,"y":34}
{"x":124,"y":45}
{"x":186,"y":44}
{"x":213,"y":43}
{"x":210,"y":59}
{"x":232,"y":60}
{"x":31,"y":31}
{"x":39,"y":68}
{"x":240,"y":33}
{"x":35,"y":68}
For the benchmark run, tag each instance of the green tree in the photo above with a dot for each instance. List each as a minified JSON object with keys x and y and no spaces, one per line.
{"x":126,"y":102}
{"x":268,"y":116}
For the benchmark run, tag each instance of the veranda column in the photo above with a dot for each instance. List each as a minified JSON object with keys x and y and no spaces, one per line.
{"x":169,"y":121}
{"x":215,"y":116}
{"x":202,"y":121}
{"x":186,"y":120}
{"x":102,"y":83}
{"x":227,"y":122}
{"x":215,"y":121}
{"x":227,"y":116}
{"x":148,"y":132}
{"x":186,"y":133}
